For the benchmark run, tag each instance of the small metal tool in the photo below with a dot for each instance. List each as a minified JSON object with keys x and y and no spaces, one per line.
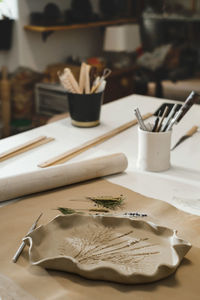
{"x":21,"y":247}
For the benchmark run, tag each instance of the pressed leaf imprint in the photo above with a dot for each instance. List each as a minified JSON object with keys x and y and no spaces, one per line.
{"x":96,"y":243}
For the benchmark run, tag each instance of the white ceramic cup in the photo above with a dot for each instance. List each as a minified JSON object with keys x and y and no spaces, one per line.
{"x":153,"y":150}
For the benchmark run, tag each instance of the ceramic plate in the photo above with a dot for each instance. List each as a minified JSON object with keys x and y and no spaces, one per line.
{"x":107,"y":248}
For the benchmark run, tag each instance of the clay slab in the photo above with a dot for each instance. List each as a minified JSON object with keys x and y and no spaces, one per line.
{"x":109,"y":248}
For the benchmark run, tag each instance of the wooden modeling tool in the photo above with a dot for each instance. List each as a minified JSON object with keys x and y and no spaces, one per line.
{"x":73,"y":81}
{"x":188,"y":134}
{"x":69,"y":82}
{"x":87,"y":79}
{"x":77,"y":150}
{"x":64,"y":80}
{"x":41,"y":140}
{"x":82,"y":78}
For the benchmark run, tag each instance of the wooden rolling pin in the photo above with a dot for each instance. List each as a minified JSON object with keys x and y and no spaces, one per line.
{"x":61,"y":175}
{"x":5,"y":101}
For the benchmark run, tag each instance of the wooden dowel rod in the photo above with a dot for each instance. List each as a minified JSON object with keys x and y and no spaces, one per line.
{"x":100,"y":139}
{"x":41,"y":140}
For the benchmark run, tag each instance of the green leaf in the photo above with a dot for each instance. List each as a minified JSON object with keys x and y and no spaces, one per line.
{"x":108,"y":201}
{"x":66,"y":211}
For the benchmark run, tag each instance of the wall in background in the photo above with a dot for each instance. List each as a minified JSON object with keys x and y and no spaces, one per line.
{"x":10,"y":58}
{"x":29,"y":50}
{"x":187,"y":4}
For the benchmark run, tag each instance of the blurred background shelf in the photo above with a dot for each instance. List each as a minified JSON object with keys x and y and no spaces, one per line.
{"x":78,"y":26}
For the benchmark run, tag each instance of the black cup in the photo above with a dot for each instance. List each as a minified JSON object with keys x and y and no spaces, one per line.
{"x":85,"y":109}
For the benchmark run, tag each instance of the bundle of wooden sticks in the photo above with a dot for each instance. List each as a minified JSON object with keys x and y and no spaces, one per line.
{"x":89,"y":81}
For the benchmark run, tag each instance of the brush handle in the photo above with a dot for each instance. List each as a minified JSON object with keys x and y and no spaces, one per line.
{"x":162,"y":118}
{"x":187,"y":105}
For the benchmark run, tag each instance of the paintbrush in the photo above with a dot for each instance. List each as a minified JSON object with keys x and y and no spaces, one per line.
{"x":192,"y":98}
{"x":98,"y":82}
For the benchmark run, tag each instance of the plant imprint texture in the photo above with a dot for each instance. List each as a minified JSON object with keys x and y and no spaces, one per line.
{"x":95,"y":243}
